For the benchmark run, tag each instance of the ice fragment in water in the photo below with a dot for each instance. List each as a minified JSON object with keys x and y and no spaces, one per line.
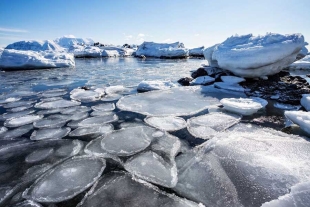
{"x":166,"y":123}
{"x":129,"y":141}
{"x":111,"y":97}
{"x":16,"y":114}
{"x":18,"y":104}
{"x":75,"y":109}
{"x":173,"y":102}
{"x":79,"y":116}
{"x":301,"y":118}
{"x":244,"y":106}
{"x":15,"y":133}
{"x":20,"y":108}
{"x":153,"y":168}
{"x":91,"y":132}
{"x":166,"y":145}
{"x":119,"y":89}
{"x":48,"y":133}
{"x":206,"y":126}
{"x":305,"y":101}
{"x":66,"y":180}
{"x":286,"y":106}
{"x":85,"y":95}
{"x":202,"y":80}
{"x":50,"y":111}
{"x":98,"y":120}
{"x":50,"y":94}
{"x":39,"y":155}
{"x":101,"y":113}
{"x":56,"y":104}
{"x":150,"y":85}
{"x":72,"y":148}
{"x":116,"y":189}
{"x":8,"y":100}
{"x":104,"y":107}
{"x":3,"y":129}
{"x":49,"y":123}
{"x":230,"y":86}
{"x":23,"y":120}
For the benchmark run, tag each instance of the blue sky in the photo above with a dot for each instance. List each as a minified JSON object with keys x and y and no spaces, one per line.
{"x":193,"y":22}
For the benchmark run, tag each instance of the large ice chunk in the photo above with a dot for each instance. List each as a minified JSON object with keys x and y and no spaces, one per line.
{"x":16,"y":114}
{"x":18,"y":59}
{"x":11,"y":134}
{"x":250,"y":56}
{"x":56,"y":133}
{"x":305,"y":101}
{"x":162,"y":50}
{"x":153,"y":168}
{"x":248,"y":167}
{"x":302,"y":64}
{"x":23,"y":120}
{"x":49,"y":123}
{"x":39,"y":155}
{"x":166,"y":145}
{"x":206,"y":126}
{"x":119,"y":189}
{"x":166,"y":123}
{"x":129,"y":141}
{"x":150,"y":85}
{"x":173,"y":102}
{"x":66,"y":180}
{"x":243,"y":106}
{"x":104,"y":107}
{"x":301,"y":118}
{"x":85,"y":95}
{"x":35,"y":45}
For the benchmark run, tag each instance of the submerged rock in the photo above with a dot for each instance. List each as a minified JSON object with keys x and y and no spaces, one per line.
{"x":250,"y":56}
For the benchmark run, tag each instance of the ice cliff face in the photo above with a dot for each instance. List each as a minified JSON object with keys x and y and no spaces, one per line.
{"x":35,"y":45}
{"x":255,"y":56}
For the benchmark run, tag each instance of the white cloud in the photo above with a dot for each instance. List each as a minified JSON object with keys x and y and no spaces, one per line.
{"x":141,"y":35}
{"x":69,"y":36}
{"x":2,"y":29}
{"x":197,"y":35}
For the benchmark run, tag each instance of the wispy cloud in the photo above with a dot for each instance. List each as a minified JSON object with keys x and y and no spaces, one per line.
{"x":2,"y":29}
{"x":141,"y":35}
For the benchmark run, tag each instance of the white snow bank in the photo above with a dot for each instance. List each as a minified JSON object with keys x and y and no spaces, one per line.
{"x":302,"y":64}
{"x":68,"y":41}
{"x":196,"y":51}
{"x":250,"y":56}
{"x":35,"y":45}
{"x":162,"y":50}
{"x":20,"y":59}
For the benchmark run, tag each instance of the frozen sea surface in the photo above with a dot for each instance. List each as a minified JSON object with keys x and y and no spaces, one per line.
{"x":55,"y":144}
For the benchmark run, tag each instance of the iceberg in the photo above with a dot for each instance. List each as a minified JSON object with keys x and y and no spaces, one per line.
{"x":196,"y":52}
{"x":302,"y":64}
{"x":162,"y":50}
{"x":66,"y":180}
{"x":35,"y":55}
{"x":18,"y":59}
{"x":251,"y":57}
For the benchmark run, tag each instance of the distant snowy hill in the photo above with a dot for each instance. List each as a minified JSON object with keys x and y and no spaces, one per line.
{"x":35,"y":45}
{"x":68,"y":41}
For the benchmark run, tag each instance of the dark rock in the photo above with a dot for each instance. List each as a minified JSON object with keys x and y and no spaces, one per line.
{"x":199,"y":72}
{"x":85,"y":88}
{"x":289,"y":88}
{"x":185,"y":81}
